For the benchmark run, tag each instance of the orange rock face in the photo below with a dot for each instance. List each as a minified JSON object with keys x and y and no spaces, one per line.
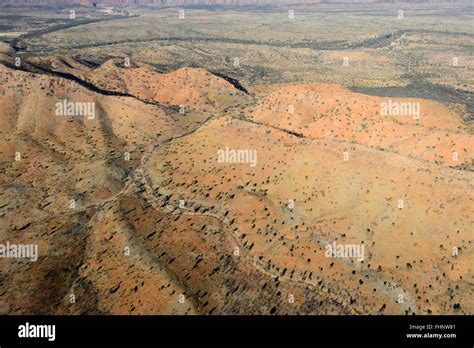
{"x":134,"y":212}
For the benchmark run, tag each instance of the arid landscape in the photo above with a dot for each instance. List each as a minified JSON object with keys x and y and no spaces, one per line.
{"x":236,"y":157}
